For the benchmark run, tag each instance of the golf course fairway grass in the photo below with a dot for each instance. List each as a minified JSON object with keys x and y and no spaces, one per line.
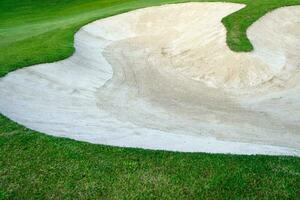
{"x":33,"y":165}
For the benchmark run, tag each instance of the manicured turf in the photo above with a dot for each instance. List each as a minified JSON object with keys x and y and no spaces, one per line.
{"x":33,"y":165}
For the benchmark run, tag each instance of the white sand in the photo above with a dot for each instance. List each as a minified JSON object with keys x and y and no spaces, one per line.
{"x":164,"y":78}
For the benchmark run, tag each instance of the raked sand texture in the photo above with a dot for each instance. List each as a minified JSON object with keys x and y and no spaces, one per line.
{"x":164,"y":78}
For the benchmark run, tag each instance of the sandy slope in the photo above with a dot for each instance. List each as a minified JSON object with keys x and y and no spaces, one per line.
{"x":164,"y":78}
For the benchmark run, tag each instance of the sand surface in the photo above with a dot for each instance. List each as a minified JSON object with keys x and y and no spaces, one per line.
{"x":164,"y":78}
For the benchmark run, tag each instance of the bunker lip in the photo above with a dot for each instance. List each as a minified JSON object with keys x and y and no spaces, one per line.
{"x":165,"y":79}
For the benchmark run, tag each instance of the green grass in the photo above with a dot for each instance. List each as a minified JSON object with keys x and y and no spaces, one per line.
{"x":37,"y":166}
{"x":33,"y":165}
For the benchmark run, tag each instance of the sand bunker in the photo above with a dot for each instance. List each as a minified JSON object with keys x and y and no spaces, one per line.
{"x":164,"y":78}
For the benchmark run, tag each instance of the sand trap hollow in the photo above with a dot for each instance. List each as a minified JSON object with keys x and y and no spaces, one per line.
{"x":164,"y":78}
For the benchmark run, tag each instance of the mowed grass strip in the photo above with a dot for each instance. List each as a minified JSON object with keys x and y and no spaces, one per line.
{"x":37,"y":166}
